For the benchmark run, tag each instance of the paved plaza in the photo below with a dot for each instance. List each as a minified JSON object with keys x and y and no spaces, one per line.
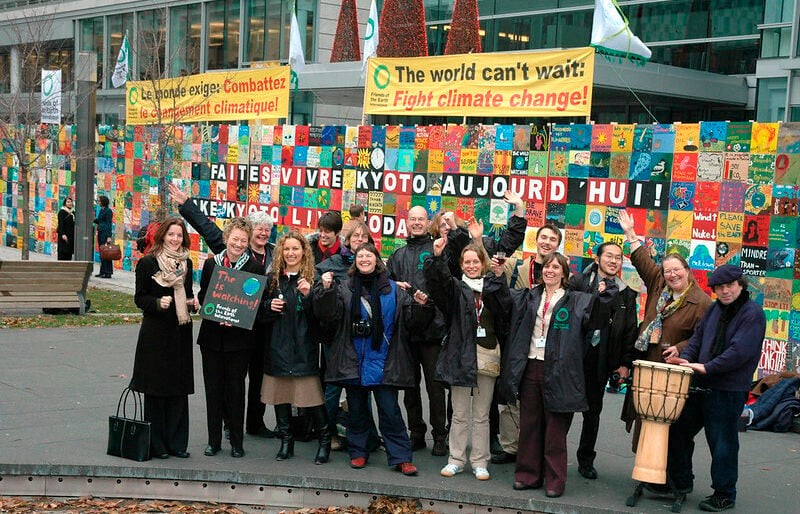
{"x":58,"y":387}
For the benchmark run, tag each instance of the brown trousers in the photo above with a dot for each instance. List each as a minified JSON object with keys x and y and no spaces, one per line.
{"x":542,"y":453}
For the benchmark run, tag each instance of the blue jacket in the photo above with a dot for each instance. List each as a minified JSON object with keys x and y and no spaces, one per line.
{"x":732,"y":370}
{"x":371,"y":362}
{"x":352,"y":360}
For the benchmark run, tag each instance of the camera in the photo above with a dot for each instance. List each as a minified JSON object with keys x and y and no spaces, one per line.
{"x":361,"y":328}
{"x":614,"y":378}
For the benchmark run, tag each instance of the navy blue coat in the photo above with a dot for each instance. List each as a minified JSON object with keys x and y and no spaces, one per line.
{"x":732,"y":370}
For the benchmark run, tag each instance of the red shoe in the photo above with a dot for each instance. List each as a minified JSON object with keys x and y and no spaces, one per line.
{"x":406,"y":468}
{"x":358,"y":462}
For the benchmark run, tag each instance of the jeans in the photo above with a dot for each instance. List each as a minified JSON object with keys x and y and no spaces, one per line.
{"x":390,"y":419}
{"x":718,"y":412}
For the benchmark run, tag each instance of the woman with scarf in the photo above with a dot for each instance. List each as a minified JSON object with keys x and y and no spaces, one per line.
{"x":66,"y":230}
{"x":475,"y":320}
{"x":163,"y":369}
{"x":675,"y":303}
{"x":340,"y":264}
{"x":369,"y":352}
{"x":225,"y":349}
{"x":291,"y":361}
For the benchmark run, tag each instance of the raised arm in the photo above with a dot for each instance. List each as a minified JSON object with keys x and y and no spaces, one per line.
{"x":199,"y":221}
{"x":441,"y":284}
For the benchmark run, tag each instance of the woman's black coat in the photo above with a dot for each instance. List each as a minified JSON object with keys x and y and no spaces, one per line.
{"x":104,"y":219}
{"x":66,"y":227}
{"x":293,"y":350}
{"x":163,"y":362}
{"x":213,"y":335}
{"x":574,"y":315}
{"x":458,"y":360}
{"x":332,"y":306}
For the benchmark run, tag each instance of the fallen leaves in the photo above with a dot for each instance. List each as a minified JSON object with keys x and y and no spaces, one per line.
{"x":381,"y":505}
{"x":113,"y":505}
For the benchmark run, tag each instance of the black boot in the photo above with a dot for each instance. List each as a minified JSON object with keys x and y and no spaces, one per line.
{"x":320,"y":414}
{"x":283,"y":414}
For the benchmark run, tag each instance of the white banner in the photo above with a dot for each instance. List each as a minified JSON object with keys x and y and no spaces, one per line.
{"x":51,"y":96}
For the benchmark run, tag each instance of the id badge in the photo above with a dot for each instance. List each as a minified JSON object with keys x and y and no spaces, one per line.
{"x":481,"y":332}
{"x":540,"y":342}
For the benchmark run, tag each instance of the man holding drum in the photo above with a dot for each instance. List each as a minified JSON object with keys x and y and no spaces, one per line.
{"x":724,"y":352}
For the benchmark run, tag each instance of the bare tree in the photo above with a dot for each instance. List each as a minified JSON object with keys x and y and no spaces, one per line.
{"x":166,"y":70}
{"x":20,"y":108}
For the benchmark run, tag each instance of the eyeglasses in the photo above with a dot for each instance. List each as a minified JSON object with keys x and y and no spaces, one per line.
{"x":673,"y":271}
{"x":617,"y":258}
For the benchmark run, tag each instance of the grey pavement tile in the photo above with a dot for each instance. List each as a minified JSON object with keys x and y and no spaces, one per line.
{"x":55,"y":403}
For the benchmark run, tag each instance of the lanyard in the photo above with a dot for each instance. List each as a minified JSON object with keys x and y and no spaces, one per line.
{"x":479,"y":308}
{"x":226,"y":261}
{"x":544,"y":315}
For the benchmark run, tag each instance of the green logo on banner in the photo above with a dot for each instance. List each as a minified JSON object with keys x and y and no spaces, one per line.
{"x":378,"y":79}
{"x":133,"y":95}
{"x":208,"y":310}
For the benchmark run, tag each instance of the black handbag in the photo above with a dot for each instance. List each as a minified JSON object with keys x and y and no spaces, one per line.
{"x":129,"y":438}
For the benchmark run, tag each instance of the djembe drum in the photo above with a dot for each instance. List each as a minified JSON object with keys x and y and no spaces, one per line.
{"x":659,"y":393}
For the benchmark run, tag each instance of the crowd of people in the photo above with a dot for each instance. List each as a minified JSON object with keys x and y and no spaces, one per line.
{"x":510,"y":349}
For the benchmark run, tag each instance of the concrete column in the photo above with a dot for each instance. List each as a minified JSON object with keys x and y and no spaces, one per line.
{"x":85,"y":121}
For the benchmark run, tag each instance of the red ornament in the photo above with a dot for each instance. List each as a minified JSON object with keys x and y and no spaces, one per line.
{"x":464,"y":36}
{"x":345,"y":42}
{"x":402,"y":29}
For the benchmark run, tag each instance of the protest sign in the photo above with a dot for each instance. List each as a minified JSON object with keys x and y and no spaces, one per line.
{"x":233,"y":297}
{"x":221,"y":96}
{"x":557,"y":83}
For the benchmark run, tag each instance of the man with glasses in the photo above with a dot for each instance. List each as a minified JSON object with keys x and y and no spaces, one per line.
{"x":608,"y":352}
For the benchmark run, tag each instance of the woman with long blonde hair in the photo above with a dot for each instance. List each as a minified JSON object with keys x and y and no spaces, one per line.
{"x":291,"y":361}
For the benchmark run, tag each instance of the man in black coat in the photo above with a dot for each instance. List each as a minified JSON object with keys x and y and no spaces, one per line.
{"x":405,"y":268}
{"x":607,"y":352}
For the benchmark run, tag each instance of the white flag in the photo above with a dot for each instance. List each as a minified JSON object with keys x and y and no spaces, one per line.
{"x":370,"y":37}
{"x":120,"y":76}
{"x":611,"y":34}
{"x":51,"y":96}
{"x":297,"y":59}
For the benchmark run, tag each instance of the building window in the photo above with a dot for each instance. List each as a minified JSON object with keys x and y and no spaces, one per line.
{"x":778,"y":11}
{"x":184,"y":35}
{"x":5,"y":70}
{"x":92,"y":41}
{"x":735,"y":17}
{"x":118,"y":26}
{"x":575,"y":28}
{"x":223,"y":34}
{"x":265,"y":23}
{"x":771,"y":99}
{"x":151,"y":43}
{"x":733,"y":57}
{"x":776,"y":42}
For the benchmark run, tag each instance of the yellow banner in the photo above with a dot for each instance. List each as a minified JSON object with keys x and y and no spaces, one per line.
{"x":223,"y":96}
{"x":544,"y":84}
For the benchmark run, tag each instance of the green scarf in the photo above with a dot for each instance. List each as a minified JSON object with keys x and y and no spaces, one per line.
{"x":652,"y":334}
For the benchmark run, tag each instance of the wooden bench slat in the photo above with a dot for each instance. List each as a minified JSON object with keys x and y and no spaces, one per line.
{"x":43,"y":284}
